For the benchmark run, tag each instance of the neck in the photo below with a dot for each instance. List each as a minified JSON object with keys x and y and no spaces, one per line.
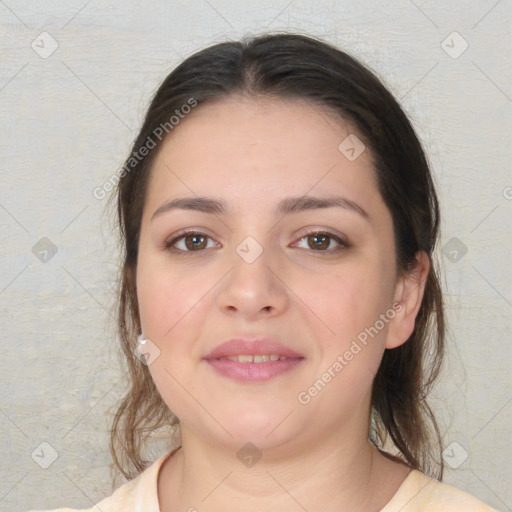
{"x":208,"y":477}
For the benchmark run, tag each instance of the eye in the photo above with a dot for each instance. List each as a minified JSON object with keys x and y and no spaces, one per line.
{"x":195,"y":241}
{"x":191,"y":241}
{"x":320,"y":241}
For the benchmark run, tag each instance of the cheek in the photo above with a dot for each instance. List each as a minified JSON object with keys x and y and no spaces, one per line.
{"x":170,"y":305}
{"x":350,"y":299}
{"x":351,"y":303}
{"x":167,"y":296}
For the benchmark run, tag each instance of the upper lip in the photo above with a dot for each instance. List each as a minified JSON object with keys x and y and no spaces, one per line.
{"x":250,"y":346}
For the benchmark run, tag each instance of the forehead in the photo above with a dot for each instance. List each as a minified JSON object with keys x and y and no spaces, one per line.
{"x":253,"y":150}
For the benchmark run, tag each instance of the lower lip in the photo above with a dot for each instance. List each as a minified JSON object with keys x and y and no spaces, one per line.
{"x":253,"y":372}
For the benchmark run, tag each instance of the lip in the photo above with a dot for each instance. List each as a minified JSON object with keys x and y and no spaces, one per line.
{"x":247,"y":346}
{"x":252,"y":372}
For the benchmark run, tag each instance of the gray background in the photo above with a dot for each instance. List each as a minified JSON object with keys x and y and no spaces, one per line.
{"x":68,"y":118}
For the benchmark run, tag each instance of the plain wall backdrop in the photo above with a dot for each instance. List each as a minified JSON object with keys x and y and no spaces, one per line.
{"x":75,"y":79}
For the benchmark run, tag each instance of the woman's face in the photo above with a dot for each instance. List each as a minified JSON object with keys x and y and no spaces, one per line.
{"x":263,"y":267}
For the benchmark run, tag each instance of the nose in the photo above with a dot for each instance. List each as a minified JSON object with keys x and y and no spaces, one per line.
{"x":253,"y":289}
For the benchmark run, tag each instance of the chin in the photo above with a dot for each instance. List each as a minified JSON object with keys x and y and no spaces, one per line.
{"x":264,"y":427}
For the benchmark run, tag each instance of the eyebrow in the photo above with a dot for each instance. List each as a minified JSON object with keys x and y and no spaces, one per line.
{"x":285,"y":206}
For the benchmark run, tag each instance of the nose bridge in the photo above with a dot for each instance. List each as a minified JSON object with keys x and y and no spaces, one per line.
{"x":251,"y":265}
{"x":252,"y":285}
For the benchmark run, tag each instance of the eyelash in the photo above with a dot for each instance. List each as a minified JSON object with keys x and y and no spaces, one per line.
{"x":343,"y":246}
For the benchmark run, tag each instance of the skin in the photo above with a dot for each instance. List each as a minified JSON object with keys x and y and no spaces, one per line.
{"x":252,"y":153}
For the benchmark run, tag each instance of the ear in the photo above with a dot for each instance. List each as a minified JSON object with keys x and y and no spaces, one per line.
{"x":408,"y":297}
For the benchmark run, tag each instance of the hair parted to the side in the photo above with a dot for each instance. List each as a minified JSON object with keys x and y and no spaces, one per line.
{"x":290,"y":66}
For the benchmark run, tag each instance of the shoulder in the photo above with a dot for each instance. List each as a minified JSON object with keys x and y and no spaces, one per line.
{"x":138,"y":494}
{"x":420,"y":493}
{"x":121,"y":499}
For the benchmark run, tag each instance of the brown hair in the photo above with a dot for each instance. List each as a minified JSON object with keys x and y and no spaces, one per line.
{"x":292,"y":66}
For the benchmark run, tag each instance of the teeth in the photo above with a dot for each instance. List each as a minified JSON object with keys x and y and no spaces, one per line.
{"x":256,"y":358}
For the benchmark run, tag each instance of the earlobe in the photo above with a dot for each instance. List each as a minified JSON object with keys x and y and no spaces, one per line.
{"x":409,"y":292}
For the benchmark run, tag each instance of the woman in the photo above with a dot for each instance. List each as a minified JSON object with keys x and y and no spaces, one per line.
{"x":278,"y":219}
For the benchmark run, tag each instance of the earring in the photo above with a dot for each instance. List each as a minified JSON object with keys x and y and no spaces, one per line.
{"x":147,"y":354}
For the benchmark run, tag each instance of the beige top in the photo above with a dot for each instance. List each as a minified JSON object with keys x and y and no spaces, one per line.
{"x":418,"y":493}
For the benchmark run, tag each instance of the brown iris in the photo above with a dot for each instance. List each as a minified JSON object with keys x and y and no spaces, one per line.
{"x":198,"y":242}
{"x":324,"y":244}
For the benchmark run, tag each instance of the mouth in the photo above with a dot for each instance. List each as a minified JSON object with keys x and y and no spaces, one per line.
{"x":252,"y":360}
{"x":256,"y":358}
